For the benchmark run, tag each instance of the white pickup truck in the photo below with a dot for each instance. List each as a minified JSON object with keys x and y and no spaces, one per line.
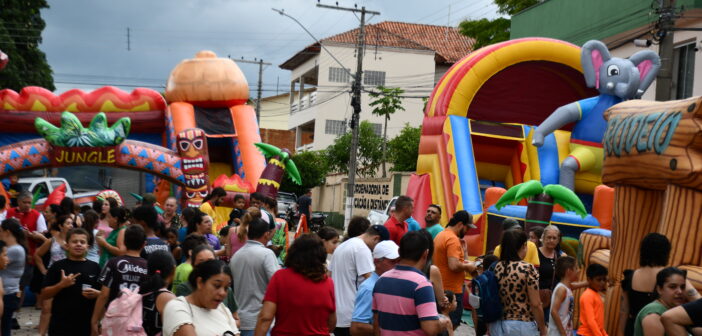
{"x":45,"y":185}
{"x":378,"y":217}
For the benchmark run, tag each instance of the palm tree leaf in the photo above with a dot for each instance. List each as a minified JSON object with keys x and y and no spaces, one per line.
{"x":566,"y":198}
{"x":268,"y":150}
{"x":530,"y":188}
{"x":508,"y":197}
{"x":293,"y":173}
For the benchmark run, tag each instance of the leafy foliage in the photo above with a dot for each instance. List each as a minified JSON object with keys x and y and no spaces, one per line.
{"x":404,"y":149}
{"x":20,"y":35}
{"x":386,"y":102}
{"x":487,"y":32}
{"x":73,"y":134}
{"x":369,"y":157}
{"x":313,"y":169}
{"x":511,"y":7}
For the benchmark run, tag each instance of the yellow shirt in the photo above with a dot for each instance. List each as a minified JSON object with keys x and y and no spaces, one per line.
{"x":220,"y":216}
{"x":532,"y":255}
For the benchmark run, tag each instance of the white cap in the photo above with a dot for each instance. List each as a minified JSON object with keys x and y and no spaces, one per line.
{"x":386,"y":249}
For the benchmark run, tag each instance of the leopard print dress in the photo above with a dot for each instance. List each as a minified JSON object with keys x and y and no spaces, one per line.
{"x":514,"y":281}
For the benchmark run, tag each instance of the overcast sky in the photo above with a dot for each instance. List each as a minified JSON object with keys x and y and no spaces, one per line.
{"x":86,"y":40}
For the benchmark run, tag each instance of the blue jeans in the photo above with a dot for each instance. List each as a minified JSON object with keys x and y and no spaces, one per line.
{"x":11,"y":303}
{"x":510,"y":327}
{"x":456,"y":315}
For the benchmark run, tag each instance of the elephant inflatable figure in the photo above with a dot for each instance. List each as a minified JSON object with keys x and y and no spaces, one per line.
{"x":617,"y":79}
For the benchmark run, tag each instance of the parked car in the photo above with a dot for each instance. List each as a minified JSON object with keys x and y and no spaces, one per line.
{"x":286,"y":201}
{"x":45,"y":185}
{"x":379,"y":217}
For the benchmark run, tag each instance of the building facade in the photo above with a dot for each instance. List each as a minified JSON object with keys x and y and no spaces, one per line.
{"x":410,"y":56}
{"x":618,"y":24}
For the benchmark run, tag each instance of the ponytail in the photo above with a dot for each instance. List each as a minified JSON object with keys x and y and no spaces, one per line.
{"x":243,"y":229}
{"x":160,"y":266}
{"x":15,"y":228}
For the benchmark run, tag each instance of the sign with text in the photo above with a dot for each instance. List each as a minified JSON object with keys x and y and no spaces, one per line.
{"x":83,"y":155}
{"x":651,"y":145}
{"x":371,"y":196}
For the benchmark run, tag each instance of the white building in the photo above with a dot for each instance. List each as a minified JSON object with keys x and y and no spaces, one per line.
{"x":406,"y":55}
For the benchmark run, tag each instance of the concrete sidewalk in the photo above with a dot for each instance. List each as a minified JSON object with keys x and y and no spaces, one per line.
{"x":28,"y":318}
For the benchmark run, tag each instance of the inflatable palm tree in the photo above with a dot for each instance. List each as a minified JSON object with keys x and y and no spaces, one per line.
{"x":541,"y":200}
{"x":279,"y":162}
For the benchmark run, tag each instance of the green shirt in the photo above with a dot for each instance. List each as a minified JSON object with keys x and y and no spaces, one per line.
{"x":111,"y":239}
{"x":435,"y":230}
{"x":182,"y":272}
{"x":654,"y":307}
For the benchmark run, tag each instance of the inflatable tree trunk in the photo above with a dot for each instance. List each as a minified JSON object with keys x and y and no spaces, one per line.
{"x":279,"y":162}
{"x":539,"y":211}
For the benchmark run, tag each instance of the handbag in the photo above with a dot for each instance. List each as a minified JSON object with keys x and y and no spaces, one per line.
{"x":545,"y":294}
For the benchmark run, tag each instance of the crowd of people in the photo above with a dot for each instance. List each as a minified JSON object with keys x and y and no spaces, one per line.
{"x":96,"y":271}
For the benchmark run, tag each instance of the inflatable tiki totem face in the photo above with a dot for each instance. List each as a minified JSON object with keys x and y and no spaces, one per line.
{"x":192,"y":146}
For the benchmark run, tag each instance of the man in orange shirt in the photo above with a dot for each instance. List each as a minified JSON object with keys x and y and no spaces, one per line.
{"x":449,"y":258}
{"x":591,"y":303}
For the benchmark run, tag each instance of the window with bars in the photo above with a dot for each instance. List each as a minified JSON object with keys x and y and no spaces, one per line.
{"x":374,"y":78}
{"x":683,"y":71}
{"x":377,"y":129}
{"x":338,"y":75}
{"x":336,"y":127}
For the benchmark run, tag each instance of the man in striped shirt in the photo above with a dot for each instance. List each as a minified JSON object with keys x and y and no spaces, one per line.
{"x":403,"y":298}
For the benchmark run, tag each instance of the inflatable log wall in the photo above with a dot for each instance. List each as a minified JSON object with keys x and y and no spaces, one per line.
{"x":653,"y":160}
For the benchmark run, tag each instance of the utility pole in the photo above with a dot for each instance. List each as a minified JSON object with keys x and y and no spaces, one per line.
{"x":129,"y":44}
{"x":260,"y":83}
{"x":666,"y":22}
{"x":356,"y":104}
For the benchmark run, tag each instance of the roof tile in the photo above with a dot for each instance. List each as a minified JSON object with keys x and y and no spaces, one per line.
{"x":449,"y":45}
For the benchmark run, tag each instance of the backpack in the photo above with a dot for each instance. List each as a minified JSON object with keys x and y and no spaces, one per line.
{"x":124,"y":315}
{"x":486,"y":287}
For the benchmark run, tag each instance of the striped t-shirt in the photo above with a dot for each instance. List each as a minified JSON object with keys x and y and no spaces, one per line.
{"x":402,"y":298}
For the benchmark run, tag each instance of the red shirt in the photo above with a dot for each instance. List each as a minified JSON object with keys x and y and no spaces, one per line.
{"x":29,"y":221}
{"x":303,"y":306}
{"x":396,"y":229}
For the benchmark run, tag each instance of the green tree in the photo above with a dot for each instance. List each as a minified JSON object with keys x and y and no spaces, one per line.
{"x":20,"y":35}
{"x":313,"y":169}
{"x":487,"y":32}
{"x":369,"y":154}
{"x":387,"y":101}
{"x":404,"y":149}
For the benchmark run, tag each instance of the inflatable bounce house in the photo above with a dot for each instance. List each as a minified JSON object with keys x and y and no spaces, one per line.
{"x":478,"y":131}
{"x":202,"y":129}
{"x":538,"y":116}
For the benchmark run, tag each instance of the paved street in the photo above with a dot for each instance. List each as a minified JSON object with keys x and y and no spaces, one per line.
{"x":28,"y":320}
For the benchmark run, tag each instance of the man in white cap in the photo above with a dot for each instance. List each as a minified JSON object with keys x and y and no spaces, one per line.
{"x":385,"y":256}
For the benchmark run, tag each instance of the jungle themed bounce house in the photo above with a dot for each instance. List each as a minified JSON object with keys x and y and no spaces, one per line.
{"x":545,"y":132}
{"x":202,"y":135}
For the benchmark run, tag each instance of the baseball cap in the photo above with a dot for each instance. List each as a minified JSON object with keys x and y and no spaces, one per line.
{"x":510,"y":223}
{"x":386,"y":249}
{"x":382,"y":231}
{"x":463,"y":217}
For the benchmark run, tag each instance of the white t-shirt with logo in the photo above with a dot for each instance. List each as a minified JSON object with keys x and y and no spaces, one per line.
{"x":207,"y":322}
{"x":349,"y":262}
